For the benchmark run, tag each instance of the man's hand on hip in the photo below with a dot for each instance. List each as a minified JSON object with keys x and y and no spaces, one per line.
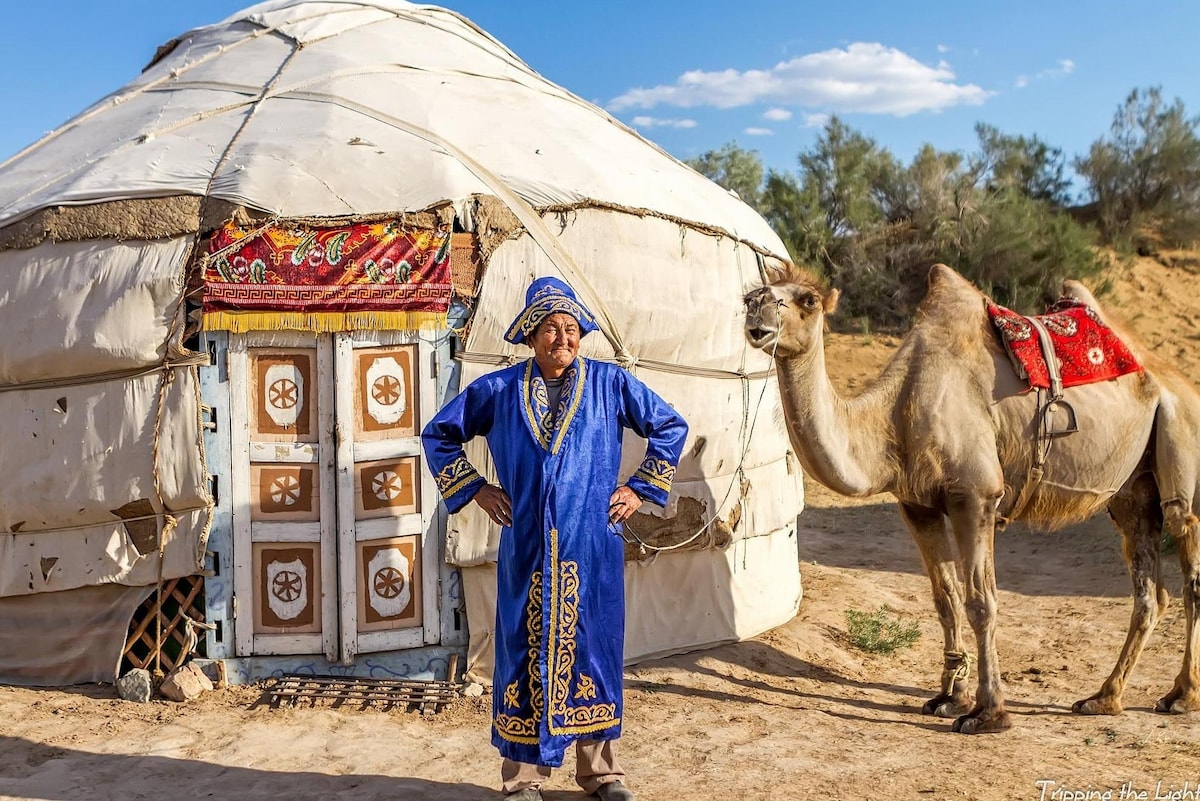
{"x":623,"y":503}
{"x":496,"y":503}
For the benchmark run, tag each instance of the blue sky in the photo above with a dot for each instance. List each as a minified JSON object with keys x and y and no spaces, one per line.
{"x":695,"y":75}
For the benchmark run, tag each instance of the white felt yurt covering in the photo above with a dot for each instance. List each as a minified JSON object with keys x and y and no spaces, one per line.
{"x":347,"y":109}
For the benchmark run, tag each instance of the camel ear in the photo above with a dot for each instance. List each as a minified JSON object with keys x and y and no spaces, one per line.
{"x":831,"y":301}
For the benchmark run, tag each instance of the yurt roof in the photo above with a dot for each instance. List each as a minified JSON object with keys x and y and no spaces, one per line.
{"x":338,"y":108}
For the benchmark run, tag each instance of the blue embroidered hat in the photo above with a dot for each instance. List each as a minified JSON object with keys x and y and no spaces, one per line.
{"x":544,"y":297}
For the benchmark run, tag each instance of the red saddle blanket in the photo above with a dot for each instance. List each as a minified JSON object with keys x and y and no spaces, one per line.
{"x":1086,"y":348}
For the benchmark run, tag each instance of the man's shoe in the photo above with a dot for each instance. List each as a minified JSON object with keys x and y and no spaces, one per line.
{"x":528,"y":794}
{"x":614,"y":791}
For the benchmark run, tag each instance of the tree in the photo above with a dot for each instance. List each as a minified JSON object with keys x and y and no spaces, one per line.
{"x":734,"y":168}
{"x":1024,"y":164}
{"x":840,"y":171}
{"x":1145,"y":176}
{"x":874,"y":226}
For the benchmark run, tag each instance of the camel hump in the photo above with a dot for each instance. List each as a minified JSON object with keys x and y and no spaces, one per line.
{"x":1077,"y":291}
{"x":949,"y":296}
{"x":947,"y":280}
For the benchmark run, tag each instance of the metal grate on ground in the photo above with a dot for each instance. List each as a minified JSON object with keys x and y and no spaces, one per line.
{"x":427,"y":696}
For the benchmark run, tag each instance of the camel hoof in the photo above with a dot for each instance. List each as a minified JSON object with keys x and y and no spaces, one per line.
{"x":946,"y":706}
{"x":980,"y":723}
{"x":1096,"y":705}
{"x":1180,"y":704}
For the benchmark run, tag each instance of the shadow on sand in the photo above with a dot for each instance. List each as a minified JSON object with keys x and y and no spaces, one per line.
{"x":781,"y":679}
{"x":33,"y":770}
{"x":1028,"y":561}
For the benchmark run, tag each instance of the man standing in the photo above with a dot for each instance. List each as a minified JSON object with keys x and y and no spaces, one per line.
{"x":553,"y":424}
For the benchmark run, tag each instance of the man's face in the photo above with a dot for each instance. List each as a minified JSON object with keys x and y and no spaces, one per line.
{"x":555,"y":344}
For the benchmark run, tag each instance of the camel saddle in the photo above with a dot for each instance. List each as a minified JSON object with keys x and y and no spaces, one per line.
{"x":1067,"y":346}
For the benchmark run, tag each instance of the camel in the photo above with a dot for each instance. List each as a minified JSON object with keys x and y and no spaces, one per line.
{"x":949,"y":429}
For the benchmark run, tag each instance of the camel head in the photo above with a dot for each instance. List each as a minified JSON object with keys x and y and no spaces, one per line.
{"x":787,"y":315}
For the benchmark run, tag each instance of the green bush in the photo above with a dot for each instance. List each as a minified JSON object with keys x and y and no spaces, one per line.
{"x":881,"y":631}
{"x":1144,"y":177}
{"x":873,"y":226}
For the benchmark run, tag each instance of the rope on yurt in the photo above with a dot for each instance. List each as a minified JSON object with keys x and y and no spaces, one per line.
{"x":639,"y":211}
{"x":738,"y":472}
{"x":166,"y":527}
{"x":542,"y":236}
{"x":100,"y":378}
{"x":678,"y":369}
{"x":84,"y":526}
{"x":507,"y":360}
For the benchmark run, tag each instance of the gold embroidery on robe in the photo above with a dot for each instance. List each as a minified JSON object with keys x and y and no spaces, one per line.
{"x":564,"y":624}
{"x":550,"y":426}
{"x":564,"y":621}
{"x":658,"y":472}
{"x":586,"y":688}
{"x":454,"y":476}
{"x":514,"y":727}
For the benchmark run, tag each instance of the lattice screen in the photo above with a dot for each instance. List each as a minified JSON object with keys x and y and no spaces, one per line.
{"x":179,"y":597}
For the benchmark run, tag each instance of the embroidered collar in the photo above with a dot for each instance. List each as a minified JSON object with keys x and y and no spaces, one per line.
{"x":549,"y":426}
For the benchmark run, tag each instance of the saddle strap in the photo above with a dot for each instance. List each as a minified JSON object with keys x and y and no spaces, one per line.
{"x":1051,"y":358}
{"x":1043,"y":437}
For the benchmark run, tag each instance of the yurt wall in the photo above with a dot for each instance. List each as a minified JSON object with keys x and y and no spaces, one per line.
{"x":105,"y":493}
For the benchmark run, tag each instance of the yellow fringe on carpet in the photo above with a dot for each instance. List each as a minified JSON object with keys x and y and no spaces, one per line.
{"x":323,"y":322}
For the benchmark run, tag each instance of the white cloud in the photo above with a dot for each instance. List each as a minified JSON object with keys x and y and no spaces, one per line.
{"x":864,"y":77}
{"x":777,"y":114}
{"x":816,"y":120}
{"x":656,"y":122}
{"x":943,"y":48}
{"x":758,"y":132}
{"x":1065,"y":67}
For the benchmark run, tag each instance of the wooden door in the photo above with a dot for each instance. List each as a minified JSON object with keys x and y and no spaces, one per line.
{"x":330,"y":513}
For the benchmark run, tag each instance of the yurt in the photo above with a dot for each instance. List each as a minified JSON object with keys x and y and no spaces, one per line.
{"x":235,"y":289}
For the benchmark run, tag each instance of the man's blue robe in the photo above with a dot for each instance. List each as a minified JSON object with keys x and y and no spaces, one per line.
{"x":560,"y":611}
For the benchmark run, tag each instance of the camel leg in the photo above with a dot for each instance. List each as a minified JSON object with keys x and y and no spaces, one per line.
{"x":1135,"y":512}
{"x":973,"y":518}
{"x":1185,"y":528}
{"x":928,"y":530}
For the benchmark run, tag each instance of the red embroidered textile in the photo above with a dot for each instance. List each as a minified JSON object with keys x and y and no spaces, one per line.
{"x":337,"y":278}
{"x":1087,"y":349}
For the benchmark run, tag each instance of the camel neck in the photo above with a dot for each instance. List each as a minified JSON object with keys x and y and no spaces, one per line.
{"x":842,"y":444}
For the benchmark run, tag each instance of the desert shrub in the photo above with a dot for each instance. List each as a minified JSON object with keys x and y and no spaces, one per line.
{"x":1144,"y":176}
{"x":1016,"y":249}
{"x":1019,"y":250}
{"x":881,"y":631}
{"x":874,"y":226}
{"x":1024,"y":164}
